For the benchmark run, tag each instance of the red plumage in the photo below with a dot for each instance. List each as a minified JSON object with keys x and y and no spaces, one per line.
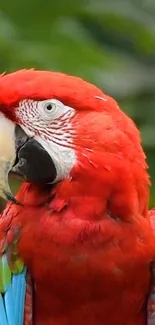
{"x":87,"y":241}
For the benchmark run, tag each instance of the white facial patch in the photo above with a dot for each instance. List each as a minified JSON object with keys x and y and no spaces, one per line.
{"x":49,"y":122}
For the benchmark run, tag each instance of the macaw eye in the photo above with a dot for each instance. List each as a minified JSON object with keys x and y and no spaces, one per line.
{"x":48,"y":107}
{"x":52,"y":109}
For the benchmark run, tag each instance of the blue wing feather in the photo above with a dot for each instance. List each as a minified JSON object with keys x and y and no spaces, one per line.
{"x":12,"y":301}
{"x":3,"y":319}
{"x":9,"y":306}
{"x":19,"y":291}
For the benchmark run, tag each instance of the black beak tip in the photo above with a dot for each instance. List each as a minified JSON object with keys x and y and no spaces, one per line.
{"x":11,"y":198}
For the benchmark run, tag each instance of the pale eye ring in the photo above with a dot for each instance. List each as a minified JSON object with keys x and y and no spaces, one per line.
{"x":51,"y":109}
{"x":48,"y":107}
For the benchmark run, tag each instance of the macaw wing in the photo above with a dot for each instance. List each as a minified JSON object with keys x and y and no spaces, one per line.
{"x":15,"y":282}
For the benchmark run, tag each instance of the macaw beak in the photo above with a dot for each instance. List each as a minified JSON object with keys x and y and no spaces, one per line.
{"x":23,"y":156}
{"x":7,"y":156}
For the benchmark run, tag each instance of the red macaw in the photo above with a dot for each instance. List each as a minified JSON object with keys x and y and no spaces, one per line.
{"x":77,"y":246}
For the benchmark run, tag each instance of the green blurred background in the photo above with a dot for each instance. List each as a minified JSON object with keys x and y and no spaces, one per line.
{"x":110,"y":43}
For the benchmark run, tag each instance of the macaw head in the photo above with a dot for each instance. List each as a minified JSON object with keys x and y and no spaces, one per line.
{"x":55,"y":127}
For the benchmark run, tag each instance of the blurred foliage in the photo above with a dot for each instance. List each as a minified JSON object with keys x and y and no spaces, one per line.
{"x":110,"y":43}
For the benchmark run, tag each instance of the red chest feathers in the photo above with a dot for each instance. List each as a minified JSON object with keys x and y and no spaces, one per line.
{"x":85,"y":271}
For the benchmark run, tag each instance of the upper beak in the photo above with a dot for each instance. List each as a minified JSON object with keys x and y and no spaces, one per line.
{"x":7,"y":156}
{"x":12,"y":137}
